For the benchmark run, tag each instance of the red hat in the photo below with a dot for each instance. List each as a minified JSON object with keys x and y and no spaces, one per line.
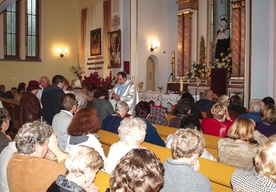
{"x":33,"y":84}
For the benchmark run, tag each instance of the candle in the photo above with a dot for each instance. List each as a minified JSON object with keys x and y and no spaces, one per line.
{"x":181,"y":85}
{"x":173,"y":54}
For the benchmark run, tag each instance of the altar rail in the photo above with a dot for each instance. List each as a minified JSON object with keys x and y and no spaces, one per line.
{"x":219,"y":174}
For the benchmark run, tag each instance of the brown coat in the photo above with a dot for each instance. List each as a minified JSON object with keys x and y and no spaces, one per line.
{"x":28,"y":173}
{"x":239,"y":154}
{"x":30,"y":109}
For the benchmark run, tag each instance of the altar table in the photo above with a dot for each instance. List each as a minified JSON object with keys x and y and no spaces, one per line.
{"x":160,"y":99}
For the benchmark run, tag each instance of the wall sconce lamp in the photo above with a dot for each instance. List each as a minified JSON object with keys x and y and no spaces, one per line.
{"x":154,"y":45}
{"x":62,"y":52}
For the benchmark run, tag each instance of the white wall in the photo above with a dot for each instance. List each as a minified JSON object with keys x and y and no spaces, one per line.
{"x":157,"y":20}
{"x":260,"y":49}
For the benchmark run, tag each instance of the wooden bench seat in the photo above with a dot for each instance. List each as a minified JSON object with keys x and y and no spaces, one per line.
{"x":211,"y":142}
{"x":13,"y":107}
{"x":219,"y":174}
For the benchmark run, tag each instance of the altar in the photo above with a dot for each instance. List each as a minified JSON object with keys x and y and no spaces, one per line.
{"x":159,"y":98}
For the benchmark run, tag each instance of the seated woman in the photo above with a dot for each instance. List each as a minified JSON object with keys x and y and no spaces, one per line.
{"x":236,"y":105}
{"x":82,"y":165}
{"x":182,"y":170}
{"x":158,"y":115}
{"x":183,"y":109}
{"x":238,"y":150}
{"x":102,"y":106}
{"x":220,"y":123}
{"x":29,"y":170}
{"x":132,"y":133}
{"x":20,"y":91}
{"x":192,"y":123}
{"x":4,"y":125}
{"x":194,"y":111}
{"x":262,"y":177}
{"x":224,"y":99}
{"x":112,"y":122}
{"x":138,"y":171}
{"x":267,"y":126}
{"x":142,"y":110}
{"x":83,"y":131}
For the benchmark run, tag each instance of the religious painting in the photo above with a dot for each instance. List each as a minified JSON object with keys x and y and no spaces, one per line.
{"x":95,"y":42}
{"x":115,"y":49}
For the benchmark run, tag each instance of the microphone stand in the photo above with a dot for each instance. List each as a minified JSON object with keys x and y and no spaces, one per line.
{"x":167,"y":83}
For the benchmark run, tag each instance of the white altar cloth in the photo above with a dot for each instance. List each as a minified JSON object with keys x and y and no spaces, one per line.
{"x":160,"y":99}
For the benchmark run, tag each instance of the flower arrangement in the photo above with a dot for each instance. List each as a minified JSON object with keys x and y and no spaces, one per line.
{"x":199,"y":72}
{"x":94,"y":80}
{"x":77,"y":70}
{"x":226,"y":62}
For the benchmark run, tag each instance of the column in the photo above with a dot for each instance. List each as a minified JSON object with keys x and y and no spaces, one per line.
{"x":238,"y":38}
{"x":184,"y":42}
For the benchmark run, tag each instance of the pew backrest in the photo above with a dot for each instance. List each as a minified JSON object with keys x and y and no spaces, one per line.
{"x":13,"y":107}
{"x":219,"y":174}
{"x":102,"y":181}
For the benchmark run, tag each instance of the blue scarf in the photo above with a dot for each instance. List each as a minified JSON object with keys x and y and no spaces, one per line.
{"x":121,"y":89}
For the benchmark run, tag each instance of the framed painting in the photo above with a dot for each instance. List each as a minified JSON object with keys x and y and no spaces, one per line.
{"x":95,"y":42}
{"x":115,"y":49}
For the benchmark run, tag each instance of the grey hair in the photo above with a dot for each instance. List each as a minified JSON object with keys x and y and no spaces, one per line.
{"x":256,"y":104}
{"x":77,"y":83}
{"x":121,"y":105}
{"x":132,"y":131}
{"x":32,"y":135}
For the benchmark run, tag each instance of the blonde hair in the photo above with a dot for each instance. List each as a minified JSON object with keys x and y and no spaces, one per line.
{"x":243,"y":129}
{"x":186,"y":143}
{"x":268,"y":114}
{"x":132,"y":131}
{"x":219,"y":110}
{"x":265,"y":160}
{"x":82,"y":157}
{"x":224,"y":99}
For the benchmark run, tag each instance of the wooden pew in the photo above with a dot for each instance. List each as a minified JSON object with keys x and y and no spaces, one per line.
{"x":102,"y":180}
{"x":219,"y":174}
{"x":211,"y":142}
{"x":169,"y":117}
{"x":13,"y":107}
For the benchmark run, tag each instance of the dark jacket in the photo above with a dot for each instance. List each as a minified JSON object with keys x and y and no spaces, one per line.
{"x":30,"y":109}
{"x":152,"y":135}
{"x":50,"y":100}
{"x":203,"y":105}
{"x":64,"y":185}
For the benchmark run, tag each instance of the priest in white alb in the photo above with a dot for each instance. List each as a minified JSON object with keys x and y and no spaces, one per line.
{"x":125,"y":91}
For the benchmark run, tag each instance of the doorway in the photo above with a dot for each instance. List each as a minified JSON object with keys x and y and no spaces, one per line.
{"x":150,"y":76}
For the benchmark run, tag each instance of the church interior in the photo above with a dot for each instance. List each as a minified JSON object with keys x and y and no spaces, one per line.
{"x":157,"y":50}
{"x":155,"y":42}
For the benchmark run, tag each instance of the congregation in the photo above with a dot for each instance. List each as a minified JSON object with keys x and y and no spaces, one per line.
{"x":58,"y":147}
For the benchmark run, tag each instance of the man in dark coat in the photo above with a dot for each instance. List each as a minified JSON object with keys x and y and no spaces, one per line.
{"x":50,"y":98}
